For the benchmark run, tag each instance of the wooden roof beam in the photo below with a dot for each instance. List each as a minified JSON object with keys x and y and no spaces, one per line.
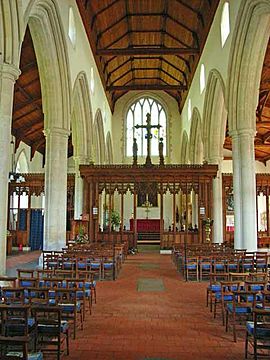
{"x":160,"y":58}
{"x":146,"y":87}
{"x":27,"y":103}
{"x":145,"y":69}
{"x":94,"y":18}
{"x":197,"y":12}
{"x":148,"y":51}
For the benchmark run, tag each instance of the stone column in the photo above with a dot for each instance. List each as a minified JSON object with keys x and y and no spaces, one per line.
{"x":236,"y":191}
{"x":248,"y":189}
{"x":78,"y":192}
{"x":8,"y":76}
{"x":55,"y":188}
{"x":217,"y":203}
{"x":244,"y":189}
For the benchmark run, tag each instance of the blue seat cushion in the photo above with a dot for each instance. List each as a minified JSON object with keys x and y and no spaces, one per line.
{"x":192,"y":267}
{"x":108,"y":265}
{"x":31,"y":356}
{"x":232,"y":266}
{"x":239,"y":310}
{"x":95,"y":265}
{"x":206,"y":266}
{"x":70,"y":307}
{"x":226,"y":297}
{"x":214,"y":288}
{"x":261,"y":332}
{"x":27,"y":283}
{"x":219,"y":266}
{"x":82,"y":265}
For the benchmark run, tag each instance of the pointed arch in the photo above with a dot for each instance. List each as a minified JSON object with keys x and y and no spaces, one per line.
{"x":99,"y":138}
{"x":81,"y":118}
{"x":184,"y":148}
{"x":109,"y":149}
{"x":43,"y":17}
{"x":22,"y":164}
{"x":11,"y":30}
{"x":195,"y":143}
{"x":214,"y":117}
{"x":249,"y":42}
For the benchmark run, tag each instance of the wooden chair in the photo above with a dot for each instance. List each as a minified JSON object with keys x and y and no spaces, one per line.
{"x":243,"y":302}
{"x":224,"y":296}
{"x":214,"y":287}
{"x":52,"y":331}
{"x":13,"y":295}
{"x":192,"y":267}
{"x":17,"y":322}
{"x":258,"y":334}
{"x":71,"y":306}
{"x":205,"y":266}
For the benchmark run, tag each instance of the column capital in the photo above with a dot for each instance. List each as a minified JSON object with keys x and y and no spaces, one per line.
{"x":10,"y":71}
{"x":237,"y":133}
{"x":56,"y":131}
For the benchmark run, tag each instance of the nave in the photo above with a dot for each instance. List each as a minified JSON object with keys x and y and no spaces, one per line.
{"x":149,"y":312}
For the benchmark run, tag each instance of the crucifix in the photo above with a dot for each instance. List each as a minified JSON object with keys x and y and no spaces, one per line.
{"x":148,"y":128}
{"x":147,"y":205}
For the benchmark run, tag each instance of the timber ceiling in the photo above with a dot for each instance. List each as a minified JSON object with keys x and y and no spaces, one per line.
{"x":147,"y":44}
{"x":262,"y":139}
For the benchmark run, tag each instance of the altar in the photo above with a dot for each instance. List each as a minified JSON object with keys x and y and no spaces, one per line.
{"x":145,"y":225}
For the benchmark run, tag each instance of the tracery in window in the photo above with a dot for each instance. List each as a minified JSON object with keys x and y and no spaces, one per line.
{"x":136,"y":115}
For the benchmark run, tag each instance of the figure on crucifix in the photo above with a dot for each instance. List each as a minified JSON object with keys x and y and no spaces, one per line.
{"x":148,"y":128}
{"x":135,"y":152}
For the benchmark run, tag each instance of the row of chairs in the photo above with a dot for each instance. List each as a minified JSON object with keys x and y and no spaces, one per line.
{"x":243,"y":299}
{"x":103,"y":266}
{"x":199,"y":267}
{"x":45,"y":289}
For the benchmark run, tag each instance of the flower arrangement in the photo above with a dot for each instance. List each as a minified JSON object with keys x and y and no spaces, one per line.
{"x":115,"y":218}
{"x":81,"y":237}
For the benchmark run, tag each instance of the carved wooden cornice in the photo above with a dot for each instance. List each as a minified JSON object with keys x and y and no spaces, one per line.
{"x":34,"y":184}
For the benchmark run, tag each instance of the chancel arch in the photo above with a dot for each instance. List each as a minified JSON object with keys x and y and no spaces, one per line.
{"x":249,"y":43}
{"x":195,"y":143}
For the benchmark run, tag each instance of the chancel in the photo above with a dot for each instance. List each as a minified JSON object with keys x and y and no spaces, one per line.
{"x":134,"y":157}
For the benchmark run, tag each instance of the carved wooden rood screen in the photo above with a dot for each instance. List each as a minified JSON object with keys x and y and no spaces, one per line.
{"x":178,"y":180}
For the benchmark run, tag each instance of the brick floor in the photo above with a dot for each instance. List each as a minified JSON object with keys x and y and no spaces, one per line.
{"x":170,"y":325}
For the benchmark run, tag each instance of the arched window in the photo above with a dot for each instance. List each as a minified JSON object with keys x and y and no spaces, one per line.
{"x":202,"y":78}
{"x":136,"y":115}
{"x":225,"y":23}
{"x":189,"y":109}
{"x":71,"y":27}
{"x":92,"y":81}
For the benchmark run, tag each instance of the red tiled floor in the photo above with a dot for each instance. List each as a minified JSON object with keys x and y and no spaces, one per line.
{"x":174,"y":324}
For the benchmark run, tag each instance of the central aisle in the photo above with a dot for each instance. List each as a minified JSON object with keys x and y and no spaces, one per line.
{"x":150,"y":313}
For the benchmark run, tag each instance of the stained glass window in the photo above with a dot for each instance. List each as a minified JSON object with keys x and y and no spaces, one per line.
{"x":136,"y":115}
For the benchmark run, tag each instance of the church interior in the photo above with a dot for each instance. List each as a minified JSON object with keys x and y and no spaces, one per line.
{"x":135,"y":179}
